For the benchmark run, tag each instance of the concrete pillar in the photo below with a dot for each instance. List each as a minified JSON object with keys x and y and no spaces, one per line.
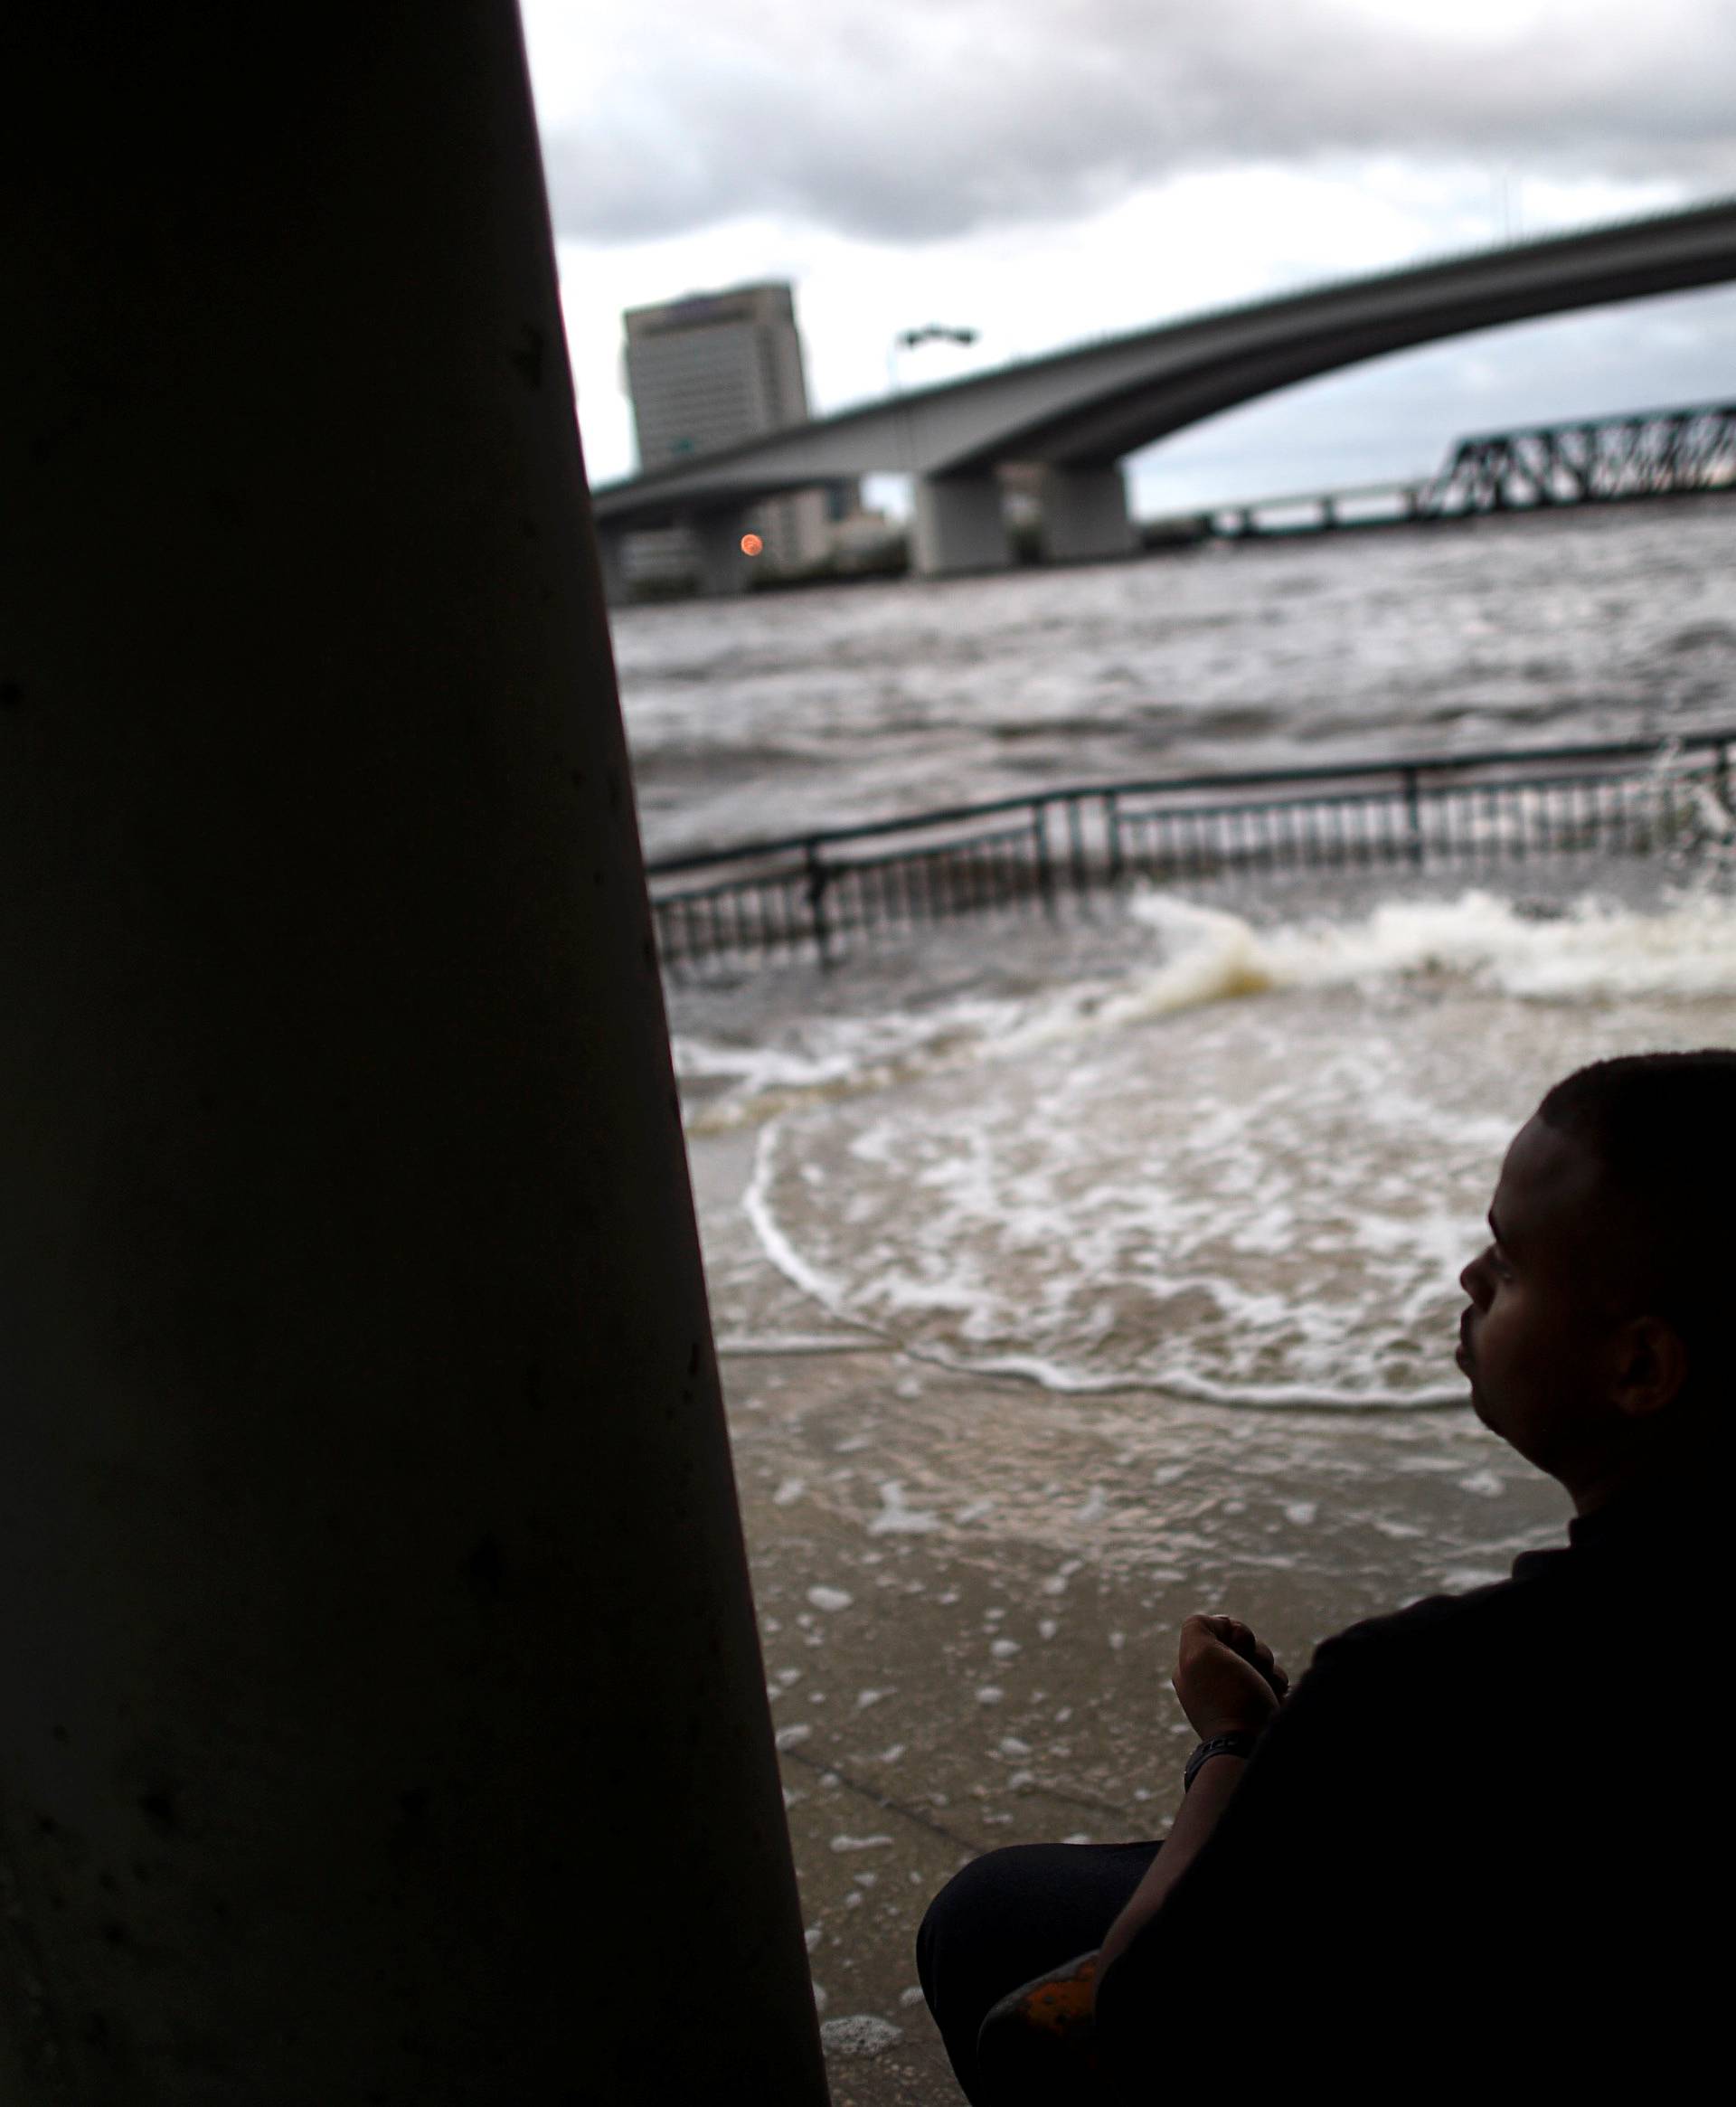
{"x":723,"y":565}
{"x":957,"y":526}
{"x":1085,"y":514}
{"x":384,"y":1719}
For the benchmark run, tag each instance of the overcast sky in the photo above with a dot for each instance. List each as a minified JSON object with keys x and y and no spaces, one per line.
{"x":1044,"y":170}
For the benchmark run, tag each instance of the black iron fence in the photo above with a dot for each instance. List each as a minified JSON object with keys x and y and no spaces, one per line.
{"x":820,"y":895}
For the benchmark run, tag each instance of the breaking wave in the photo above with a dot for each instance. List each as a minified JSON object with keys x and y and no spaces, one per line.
{"x":1244,"y":1169}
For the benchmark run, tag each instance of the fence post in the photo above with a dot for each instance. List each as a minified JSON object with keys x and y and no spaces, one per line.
{"x":1112,"y":828}
{"x":1413,"y":817}
{"x":662,"y":932}
{"x":818,"y":877}
{"x":1039,"y":845}
{"x":1076,"y":848}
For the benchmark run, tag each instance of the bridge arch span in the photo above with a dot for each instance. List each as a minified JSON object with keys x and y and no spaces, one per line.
{"x":1195,"y":370}
{"x":1080,"y":412}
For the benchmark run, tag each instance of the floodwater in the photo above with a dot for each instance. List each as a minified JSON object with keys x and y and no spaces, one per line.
{"x":1069,"y":1279}
{"x":1217,"y":1146}
{"x":775,"y":712}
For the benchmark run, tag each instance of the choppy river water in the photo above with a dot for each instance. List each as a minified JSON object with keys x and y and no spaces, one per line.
{"x":1227,"y":1147}
{"x":782,"y":711}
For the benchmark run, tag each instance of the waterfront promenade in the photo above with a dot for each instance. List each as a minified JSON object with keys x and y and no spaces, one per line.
{"x":969,"y":1591}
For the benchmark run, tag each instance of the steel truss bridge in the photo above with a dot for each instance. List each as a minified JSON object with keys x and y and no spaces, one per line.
{"x":1653,"y":453}
{"x":1593,"y":461}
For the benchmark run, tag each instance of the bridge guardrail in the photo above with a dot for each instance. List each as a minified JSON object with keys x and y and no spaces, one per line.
{"x":818,"y":895}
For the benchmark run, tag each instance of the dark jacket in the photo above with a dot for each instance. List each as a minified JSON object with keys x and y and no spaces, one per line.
{"x":1485,"y":1842}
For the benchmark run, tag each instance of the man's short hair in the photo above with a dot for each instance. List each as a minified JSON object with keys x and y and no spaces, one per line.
{"x":1662,"y":1130}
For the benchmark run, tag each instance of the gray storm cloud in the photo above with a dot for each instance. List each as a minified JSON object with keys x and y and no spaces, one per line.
{"x":910,"y":123}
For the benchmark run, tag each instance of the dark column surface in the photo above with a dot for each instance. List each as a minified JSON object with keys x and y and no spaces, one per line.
{"x":383,"y":1716}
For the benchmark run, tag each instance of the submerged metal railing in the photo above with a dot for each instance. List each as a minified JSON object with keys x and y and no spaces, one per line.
{"x":818,"y":895}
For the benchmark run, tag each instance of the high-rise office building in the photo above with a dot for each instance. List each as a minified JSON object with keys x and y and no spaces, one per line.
{"x":714,"y":368}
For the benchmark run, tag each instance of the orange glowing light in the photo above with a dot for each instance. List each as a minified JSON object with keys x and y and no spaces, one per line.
{"x":751,"y":545}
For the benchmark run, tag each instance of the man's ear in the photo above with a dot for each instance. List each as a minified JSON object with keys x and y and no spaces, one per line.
{"x":1651,"y":1366}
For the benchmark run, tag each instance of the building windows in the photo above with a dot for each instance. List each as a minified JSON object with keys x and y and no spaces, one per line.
{"x":711,"y":371}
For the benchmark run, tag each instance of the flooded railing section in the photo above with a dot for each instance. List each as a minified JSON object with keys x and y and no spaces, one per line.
{"x":818,"y":896}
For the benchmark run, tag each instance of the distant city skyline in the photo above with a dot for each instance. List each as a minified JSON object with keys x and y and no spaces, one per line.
{"x":1040,"y":177}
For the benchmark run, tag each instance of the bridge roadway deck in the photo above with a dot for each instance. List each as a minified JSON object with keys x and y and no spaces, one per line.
{"x":1077,"y":413}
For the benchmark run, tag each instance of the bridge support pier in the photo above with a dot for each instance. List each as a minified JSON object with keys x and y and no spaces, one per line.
{"x":1085,"y":514}
{"x":959,"y":526}
{"x":723,"y":564}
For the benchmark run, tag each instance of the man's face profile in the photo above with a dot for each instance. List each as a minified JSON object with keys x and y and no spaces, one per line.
{"x":1546,"y":1297}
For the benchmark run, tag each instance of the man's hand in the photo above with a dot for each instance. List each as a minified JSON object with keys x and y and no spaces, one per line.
{"x":1226,"y":1679}
{"x":1228,"y":1683}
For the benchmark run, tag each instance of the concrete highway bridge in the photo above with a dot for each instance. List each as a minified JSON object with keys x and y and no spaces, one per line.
{"x":1077,"y":413}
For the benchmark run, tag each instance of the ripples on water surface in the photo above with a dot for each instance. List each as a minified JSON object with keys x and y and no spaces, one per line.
{"x":785,"y":711}
{"x":1232,"y":1148}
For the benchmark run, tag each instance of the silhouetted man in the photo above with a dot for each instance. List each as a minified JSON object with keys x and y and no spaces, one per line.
{"x":1483,"y":1846}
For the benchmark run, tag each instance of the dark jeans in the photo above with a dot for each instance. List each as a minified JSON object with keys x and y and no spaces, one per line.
{"x":1010,"y":1915}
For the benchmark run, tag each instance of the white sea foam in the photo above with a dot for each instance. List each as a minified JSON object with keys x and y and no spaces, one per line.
{"x":1245,"y":1173}
{"x":896,"y":1518}
{"x":861,"y":2034}
{"x":1589,"y":950}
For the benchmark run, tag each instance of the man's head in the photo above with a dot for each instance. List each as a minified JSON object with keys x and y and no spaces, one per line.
{"x":1599,"y":1335}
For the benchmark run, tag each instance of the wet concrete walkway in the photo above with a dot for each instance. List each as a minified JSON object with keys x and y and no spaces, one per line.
{"x":969,"y":1591}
